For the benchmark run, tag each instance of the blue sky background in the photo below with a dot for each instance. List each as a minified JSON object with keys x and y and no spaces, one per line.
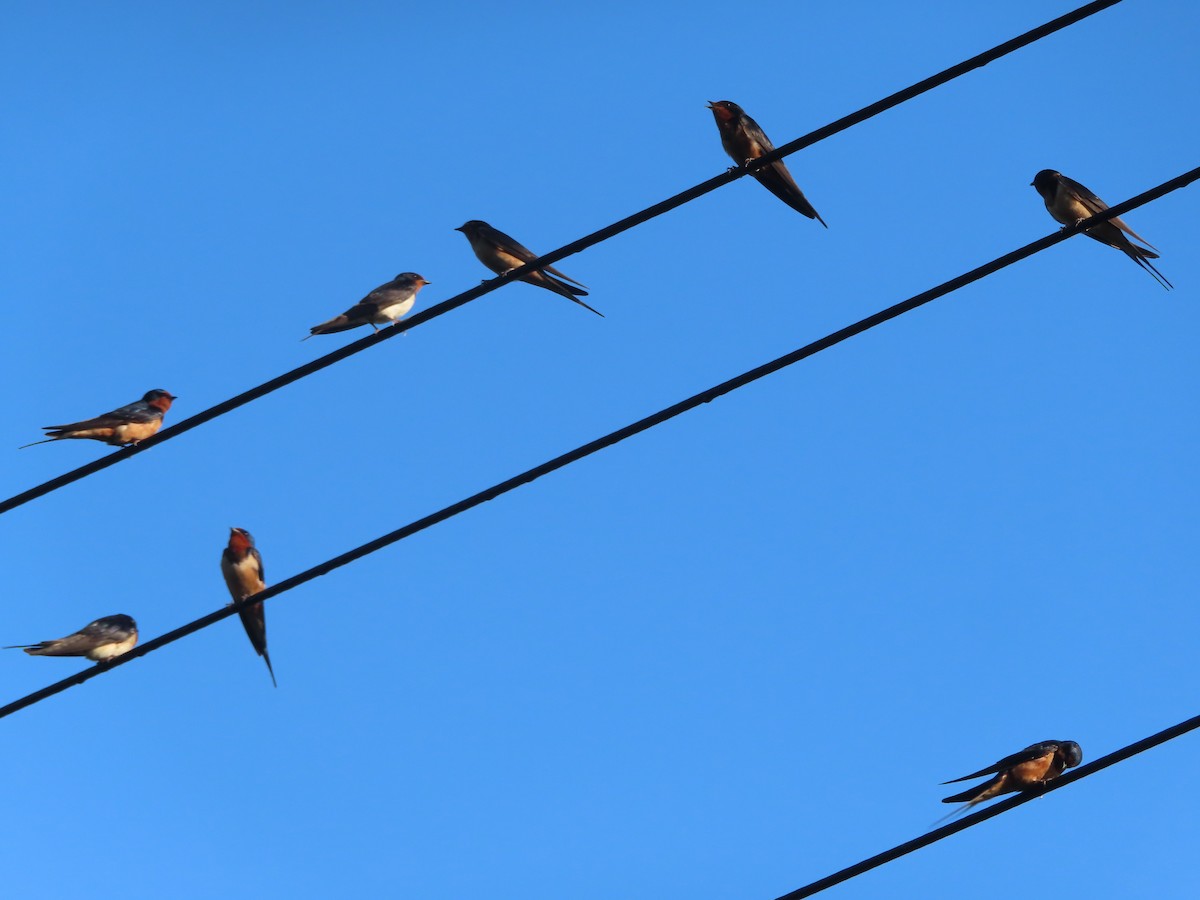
{"x":720,"y":660}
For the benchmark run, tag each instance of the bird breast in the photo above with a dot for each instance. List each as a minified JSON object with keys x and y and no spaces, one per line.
{"x":108,"y":651}
{"x":393,"y":311}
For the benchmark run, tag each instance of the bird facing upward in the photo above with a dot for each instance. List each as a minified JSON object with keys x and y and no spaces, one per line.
{"x":745,"y":142}
{"x":241,"y":564}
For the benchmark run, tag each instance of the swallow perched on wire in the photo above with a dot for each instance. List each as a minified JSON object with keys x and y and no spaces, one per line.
{"x":241,"y":564}
{"x":1069,"y":202}
{"x":1028,"y":770}
{"x":502,"y":254}
{"x":121,"y":427}
{"x":98,"y":641}
{"x":745,"y":141}
{"x":382,"y":306}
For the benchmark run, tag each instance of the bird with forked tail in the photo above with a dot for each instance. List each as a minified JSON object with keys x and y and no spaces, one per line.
{"x":383,"y":306}
{"x":1069,"y":202}
{"x":745,"y":142}
{"x":502,"y":253}
{"x":1027,"y":770}
{"x":121,"y":427}
{"x":103,"y":639}
{"x":241,"y":564}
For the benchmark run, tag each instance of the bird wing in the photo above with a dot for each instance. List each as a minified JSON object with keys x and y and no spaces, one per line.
{"x":1095,"y":206}
{"x":134,"y":412}
{"x":257,"y":557}
{"x":755,"y":133}
{"x":110,"y":628}
{"x":1034,"y":751}
{"x":254,"y":620}
{"x":76,"y":644}
{"x":510,"y":245}
{"x":554,"y":271}
{"x":515,"y":248}
{"x":1093,"y":203}
{"x":381,"y":296}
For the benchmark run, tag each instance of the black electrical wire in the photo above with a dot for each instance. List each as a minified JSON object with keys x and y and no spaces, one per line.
{"x":610,"y":439}
{"x":583,"y":243}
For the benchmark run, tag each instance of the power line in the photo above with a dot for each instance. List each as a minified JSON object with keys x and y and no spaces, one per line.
{"x":610,"y":439}
{"x":994,"y":810}
{"x":566,"y":250}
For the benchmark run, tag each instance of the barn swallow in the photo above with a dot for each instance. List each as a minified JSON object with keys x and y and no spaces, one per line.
{"x":502,"y":254}
{"x":1025,"y":771}
{"x":242,"y":567}
{"x":382,"y":306}
{"x":98,"y":641}
{"x":1069,"y":202}
{"x":745,"y":141}
{"x":127,"y":425}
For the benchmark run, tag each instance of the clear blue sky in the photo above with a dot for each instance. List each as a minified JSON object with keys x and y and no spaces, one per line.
{"x":719,"y":661}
